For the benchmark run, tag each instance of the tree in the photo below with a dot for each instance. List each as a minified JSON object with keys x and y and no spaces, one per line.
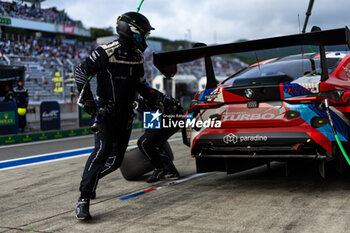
{"x":101,"y":32}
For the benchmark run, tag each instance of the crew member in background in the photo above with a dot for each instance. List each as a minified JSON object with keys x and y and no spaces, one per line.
{"x":119,"y":69}
{"x":151,"y":143}
{"x":22,"y":99}
{"x":9,"y":96}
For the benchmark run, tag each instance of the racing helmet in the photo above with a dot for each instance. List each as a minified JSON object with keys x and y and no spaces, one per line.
{"x":136,"y":27}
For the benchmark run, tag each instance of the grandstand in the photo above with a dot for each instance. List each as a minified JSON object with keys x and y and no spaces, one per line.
{"x":47,"y":43}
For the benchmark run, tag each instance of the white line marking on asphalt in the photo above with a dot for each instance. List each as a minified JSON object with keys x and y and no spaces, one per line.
{"x":54,"y":140}
{"x":43,"y":162}
{"x":182,"y":180}
{"x":132,"y":142}
{"x":162,"y":186}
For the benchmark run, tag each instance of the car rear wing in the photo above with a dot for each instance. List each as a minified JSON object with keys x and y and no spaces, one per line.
{"x":166,"y":61}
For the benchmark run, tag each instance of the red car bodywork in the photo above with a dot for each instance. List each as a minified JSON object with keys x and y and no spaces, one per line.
{"x":273,"y":110}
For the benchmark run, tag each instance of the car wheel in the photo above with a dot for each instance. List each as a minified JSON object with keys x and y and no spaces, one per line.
{"x":136,"y":164}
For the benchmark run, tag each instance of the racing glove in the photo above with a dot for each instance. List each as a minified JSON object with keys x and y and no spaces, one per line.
{"x":171,"y":105}
{"x":159,"y":105}
{"x":90,"y":107}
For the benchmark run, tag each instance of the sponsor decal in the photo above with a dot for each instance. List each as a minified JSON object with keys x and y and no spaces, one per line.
{"x":7,"y":118}
{"x":58,"y":82}
{"x":51,"y":115}
{"x":27,"y":138}
{"x":5,"y":20}
{"x":214,"y":94}
{"x":23,"y":138}
{"x":68,"y":29}
{"x":230,"y":138}
{"x":270,"y":114}
{"x":302,"y":90}
{"x":9,"y":140}
{"x":43,"y":136}
{"x":72,"y":133}
{"x":233,"y":139}
{"x":249,"y":93}
{"x":133,"y":29}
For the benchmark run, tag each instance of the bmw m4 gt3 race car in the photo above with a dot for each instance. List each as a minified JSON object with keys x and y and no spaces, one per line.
{"x":281,"y":109}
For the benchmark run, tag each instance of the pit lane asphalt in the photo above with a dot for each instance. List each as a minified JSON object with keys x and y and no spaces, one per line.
{"x":34,"y":148}
{"x":40,"y":198}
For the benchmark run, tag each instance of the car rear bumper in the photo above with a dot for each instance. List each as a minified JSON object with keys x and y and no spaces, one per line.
{"x":264,"y":156}
{"x":257,"y":145}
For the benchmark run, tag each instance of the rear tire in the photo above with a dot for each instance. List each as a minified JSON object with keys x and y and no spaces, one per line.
{"x":341,"y":166}
{"x":136,"y":164}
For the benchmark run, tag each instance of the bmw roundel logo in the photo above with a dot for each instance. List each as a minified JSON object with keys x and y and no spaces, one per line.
{"x":249,"y":93}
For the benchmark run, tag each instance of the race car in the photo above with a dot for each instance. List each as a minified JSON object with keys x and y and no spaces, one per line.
{"x":282,"y":109}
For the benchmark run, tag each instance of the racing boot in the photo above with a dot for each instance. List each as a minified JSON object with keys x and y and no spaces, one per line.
{"x":170,"y":174}
{"x":93,"y":195}
{"x":170,"y":171}
{"x":82,"y":210}
{"x":156,"y":175}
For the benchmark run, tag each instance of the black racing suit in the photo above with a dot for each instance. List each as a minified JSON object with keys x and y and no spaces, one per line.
{"x":119,"y":69}
{"x":151,"y":143}
{"x":22,"y":99}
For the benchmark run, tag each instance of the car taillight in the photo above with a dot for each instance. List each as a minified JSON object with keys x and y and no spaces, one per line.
{"x":337,"y":98}
{"x":345,"y":99}
{"x":198,"y":106}
{"x":303,"y":100}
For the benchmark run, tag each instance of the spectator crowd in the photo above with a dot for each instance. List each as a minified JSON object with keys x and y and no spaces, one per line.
{"x":223,"y":66}
{"x":46,"y":49}
{"x":50,"y":48}
{"x":51,"y":15}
